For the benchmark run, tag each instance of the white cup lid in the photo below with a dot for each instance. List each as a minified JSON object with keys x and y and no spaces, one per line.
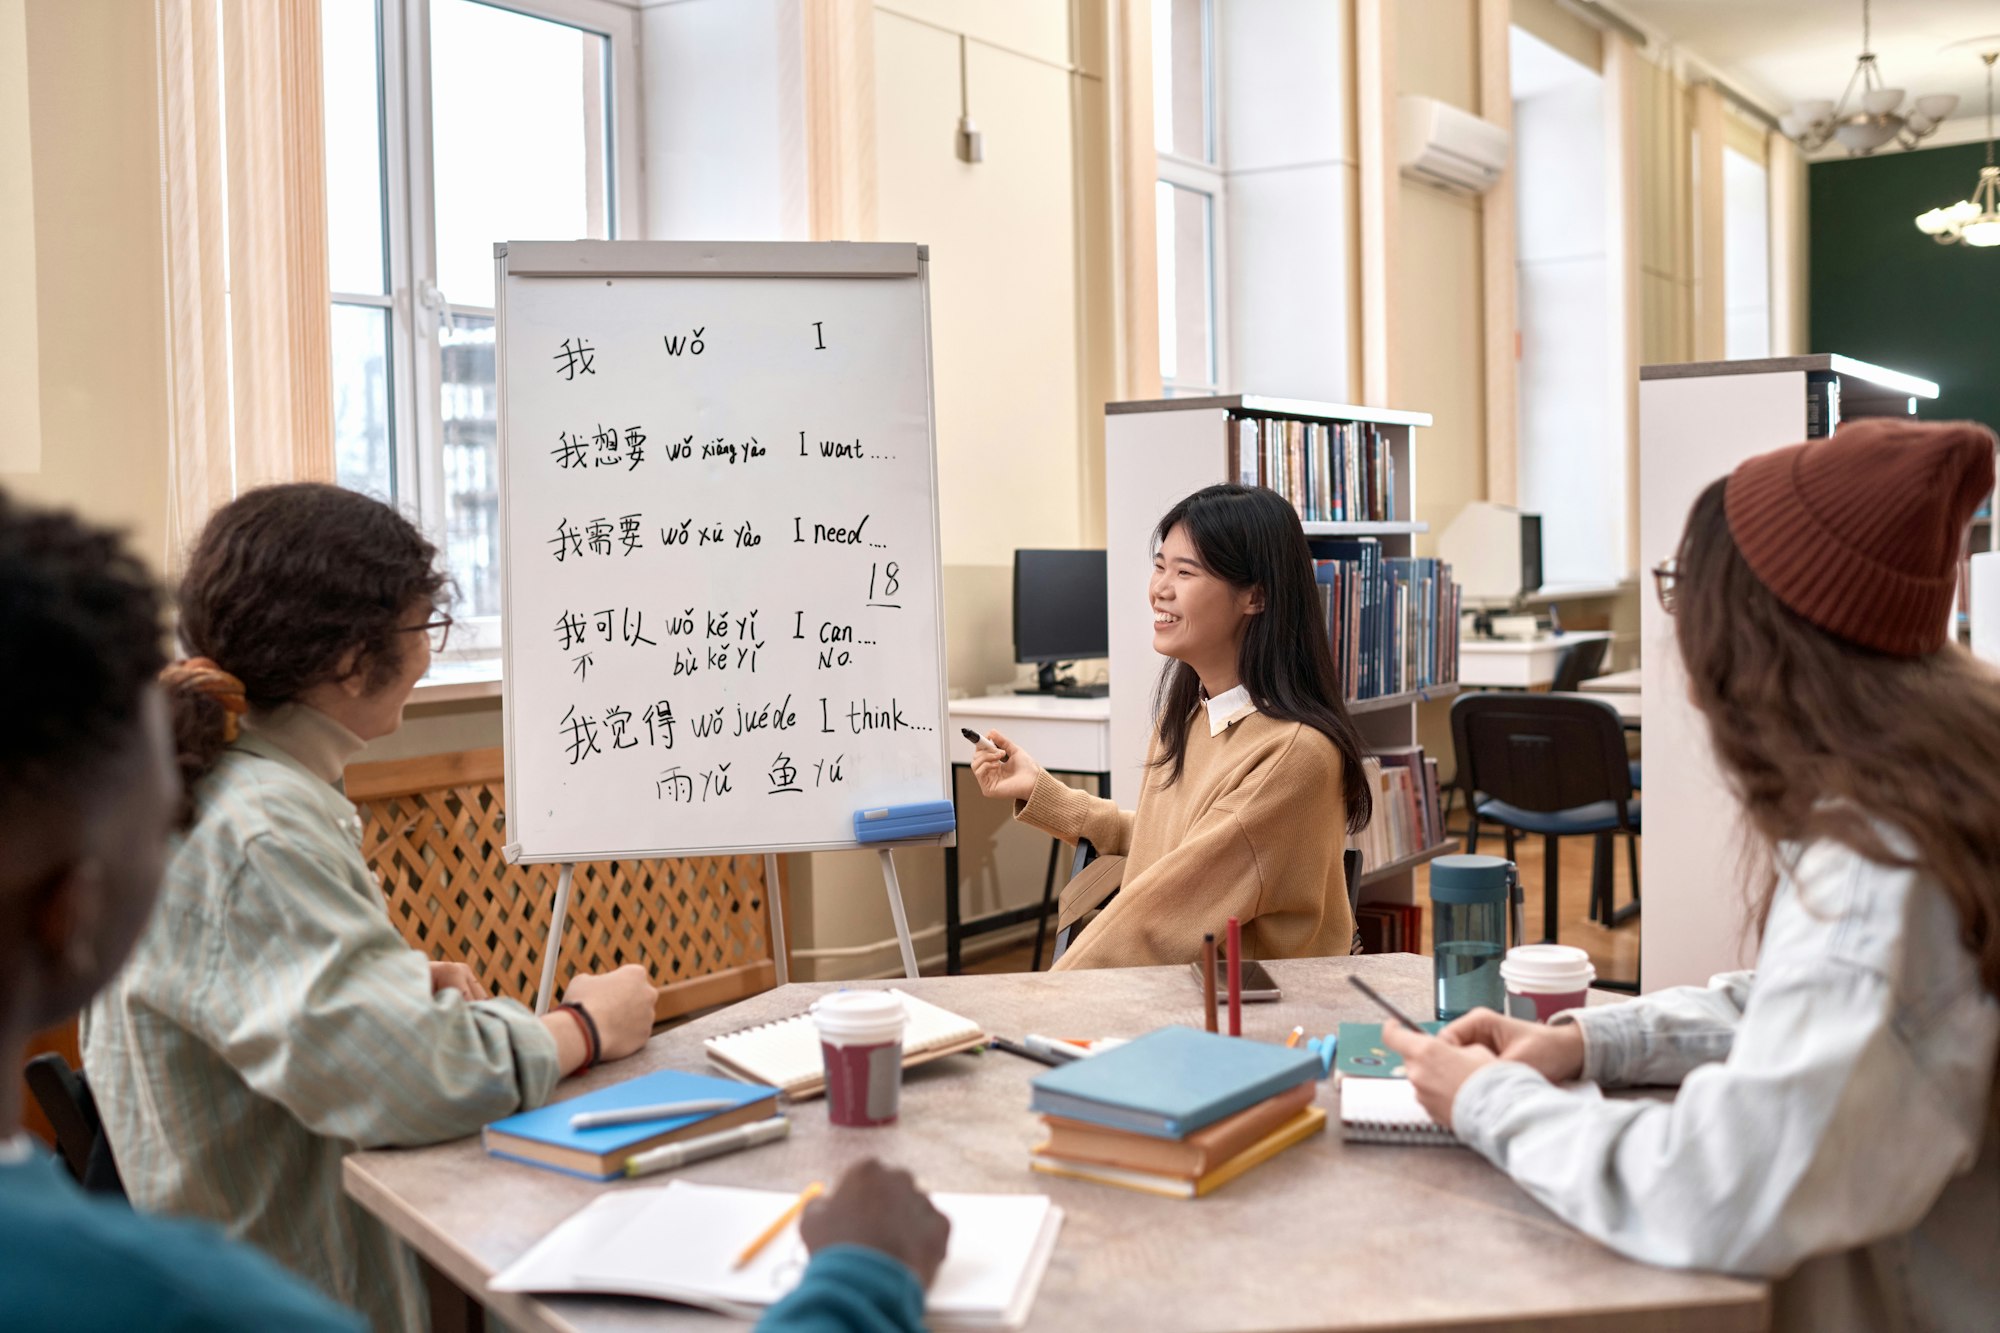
{"x":1547,"y":967}
{"x":860,"y":1013}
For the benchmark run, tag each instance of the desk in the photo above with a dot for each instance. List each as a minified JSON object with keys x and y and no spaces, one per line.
{"x":1330,"y":1236}
{"x":1064,"y":736}
{"x":1516,"y":664}
{"x":1620,"y":689}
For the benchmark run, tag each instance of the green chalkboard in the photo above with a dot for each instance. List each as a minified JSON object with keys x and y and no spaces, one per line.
{"x":1882,"y":291}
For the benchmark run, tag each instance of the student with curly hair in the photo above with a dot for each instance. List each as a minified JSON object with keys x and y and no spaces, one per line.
{"x":1835,"y":1124}
{"x":273,"y":1020}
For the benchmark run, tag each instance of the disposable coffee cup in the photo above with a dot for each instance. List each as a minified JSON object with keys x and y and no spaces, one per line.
{"x":1544,"y":979}
{"x":861,"y":1041}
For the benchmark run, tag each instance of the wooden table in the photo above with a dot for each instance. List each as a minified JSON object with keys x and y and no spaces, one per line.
{"x":1327,"y":1236}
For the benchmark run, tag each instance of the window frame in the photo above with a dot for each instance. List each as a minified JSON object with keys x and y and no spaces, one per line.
{"x":418,"y":310}
{"x":1212,"y":180}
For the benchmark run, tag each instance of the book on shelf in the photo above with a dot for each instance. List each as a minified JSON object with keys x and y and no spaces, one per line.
{"x":1390,"y":927}
{"x":1408,"y":816}
{"x":1330,"y":471}
{"x":1392,"y":620}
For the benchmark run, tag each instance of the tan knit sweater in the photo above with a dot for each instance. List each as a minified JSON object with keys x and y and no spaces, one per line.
{"x":1254,"y":829}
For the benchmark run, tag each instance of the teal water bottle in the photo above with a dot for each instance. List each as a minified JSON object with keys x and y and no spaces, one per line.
{"x":1473,"y":901}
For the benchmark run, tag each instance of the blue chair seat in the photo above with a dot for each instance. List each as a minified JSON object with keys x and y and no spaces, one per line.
{"x":1636,"y":772}
{"x":1597,"y":817}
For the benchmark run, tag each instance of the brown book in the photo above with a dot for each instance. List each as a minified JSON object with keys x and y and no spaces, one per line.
{"x":1189,"y":1158}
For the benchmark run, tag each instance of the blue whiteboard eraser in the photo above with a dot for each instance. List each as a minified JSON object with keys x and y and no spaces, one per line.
{"x":894,"y":823}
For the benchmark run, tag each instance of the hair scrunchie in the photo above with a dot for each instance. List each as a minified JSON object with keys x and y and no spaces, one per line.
{"x":203,"y":676}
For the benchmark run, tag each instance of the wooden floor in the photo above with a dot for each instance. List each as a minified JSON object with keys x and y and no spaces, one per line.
{"x":1615,"y":951}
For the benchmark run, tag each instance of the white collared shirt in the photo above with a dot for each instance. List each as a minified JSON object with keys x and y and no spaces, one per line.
{"x":1226,"y":708}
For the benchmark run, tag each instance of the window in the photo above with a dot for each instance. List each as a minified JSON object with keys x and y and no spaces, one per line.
{"x":450,"y":125}
{"x":1188,"y":198}
{"x":1746,"y":257}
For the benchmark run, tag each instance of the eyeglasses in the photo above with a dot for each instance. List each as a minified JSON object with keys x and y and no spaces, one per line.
{"x":439,"y":630}
{"x":1665,"y":575}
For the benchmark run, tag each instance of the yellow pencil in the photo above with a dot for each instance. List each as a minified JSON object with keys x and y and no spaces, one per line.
{"x":770,"y":1233}
{"x":1293,"y":1040}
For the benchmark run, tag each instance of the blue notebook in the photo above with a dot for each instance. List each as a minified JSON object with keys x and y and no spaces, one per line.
{"x":543,"y":1137}
{"x":1170,"y":1083}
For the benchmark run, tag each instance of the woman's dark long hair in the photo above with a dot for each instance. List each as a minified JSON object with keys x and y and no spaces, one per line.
{"x":1250,"y":537}
{"x":1810,"y":728}
{"x":286,"y":587}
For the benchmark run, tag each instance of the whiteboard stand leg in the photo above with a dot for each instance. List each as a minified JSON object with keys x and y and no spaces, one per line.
{"x":554,"y":947}
{"x":896,"y":910}
{"x":775,"y":900}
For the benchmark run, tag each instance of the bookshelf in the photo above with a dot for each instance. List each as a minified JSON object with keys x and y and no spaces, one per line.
{"x":1696,"y":423}
{"x":1157,"y":452}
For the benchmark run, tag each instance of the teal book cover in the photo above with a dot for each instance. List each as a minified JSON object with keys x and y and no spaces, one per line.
{"x":1361,"y":1054}
{"x":1172,"y":1082}
{"x":543,"y":1137}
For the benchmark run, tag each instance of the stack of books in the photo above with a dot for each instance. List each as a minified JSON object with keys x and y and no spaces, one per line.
{"x":1177,"y":1112}
{"x":1409,"y":814}
{"x":1392,"y":620}
{"x":1331,"y":471}
{"x":1390,"y":927}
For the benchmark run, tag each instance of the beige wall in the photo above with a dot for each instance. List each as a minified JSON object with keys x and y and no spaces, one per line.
{"x":1439,"y":355}
{"x":99,"y":309}
{"x":1020,"y":334}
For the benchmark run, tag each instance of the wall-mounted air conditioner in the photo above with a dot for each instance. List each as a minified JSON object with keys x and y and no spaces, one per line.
{"x":1442,"y":145}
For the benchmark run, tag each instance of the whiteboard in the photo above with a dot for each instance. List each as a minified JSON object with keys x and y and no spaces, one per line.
{"x":722,"y":609}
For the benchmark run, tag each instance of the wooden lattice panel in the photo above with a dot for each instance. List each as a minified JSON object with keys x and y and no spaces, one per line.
{"x":433,"y":830}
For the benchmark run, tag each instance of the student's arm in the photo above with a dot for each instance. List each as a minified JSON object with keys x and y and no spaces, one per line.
{"x":1662,"y":1038}
{"x":1064,"y":812}
{"x":1822,"y":1131}
{"x":322,"y":1007}
{"x":850,"y":1289}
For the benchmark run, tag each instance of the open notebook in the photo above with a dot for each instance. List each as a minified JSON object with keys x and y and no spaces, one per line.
{"x":679,"y":1244}
{"x":786,"y":1054}
{"x":1386,"y":1110}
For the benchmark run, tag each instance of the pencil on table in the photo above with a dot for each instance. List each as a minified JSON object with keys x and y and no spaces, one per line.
{"x":1292,"y":1041}
{"x":790,"y":1215}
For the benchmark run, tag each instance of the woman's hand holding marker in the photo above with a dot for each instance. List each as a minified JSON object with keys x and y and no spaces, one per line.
{"x":1004,"y":770}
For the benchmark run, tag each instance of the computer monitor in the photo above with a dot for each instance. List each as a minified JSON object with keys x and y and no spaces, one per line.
{"x":1060,"y":613}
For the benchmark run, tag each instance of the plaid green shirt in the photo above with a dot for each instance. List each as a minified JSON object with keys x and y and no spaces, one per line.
{"x":272,"y":1020}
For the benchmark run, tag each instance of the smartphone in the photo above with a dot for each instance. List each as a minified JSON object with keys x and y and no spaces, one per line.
{"x":1259,"y":986}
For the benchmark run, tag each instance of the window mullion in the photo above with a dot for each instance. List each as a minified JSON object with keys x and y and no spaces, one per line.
{"x":427,"y":464}
{"x":402,"y":340}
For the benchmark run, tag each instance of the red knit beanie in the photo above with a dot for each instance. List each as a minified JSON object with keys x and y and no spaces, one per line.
{"x":1861,"y":533}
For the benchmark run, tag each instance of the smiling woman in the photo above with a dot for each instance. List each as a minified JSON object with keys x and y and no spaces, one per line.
{"x":1254,"y":769}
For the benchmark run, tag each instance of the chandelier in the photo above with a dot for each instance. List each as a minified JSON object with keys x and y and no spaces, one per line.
{"x":1976,"y":221}
{"x":1875,"y":120}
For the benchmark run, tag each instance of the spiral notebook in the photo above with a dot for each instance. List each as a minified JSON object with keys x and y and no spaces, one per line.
{"x":786,"y":1054}
{"x":1386,"y":1110}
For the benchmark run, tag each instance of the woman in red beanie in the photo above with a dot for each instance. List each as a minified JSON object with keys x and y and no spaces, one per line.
{"x":1835,"y":1123}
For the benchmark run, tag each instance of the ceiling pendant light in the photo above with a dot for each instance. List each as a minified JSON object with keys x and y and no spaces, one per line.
{"x":1875,"y":119}
{"x":1975,"y":221}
